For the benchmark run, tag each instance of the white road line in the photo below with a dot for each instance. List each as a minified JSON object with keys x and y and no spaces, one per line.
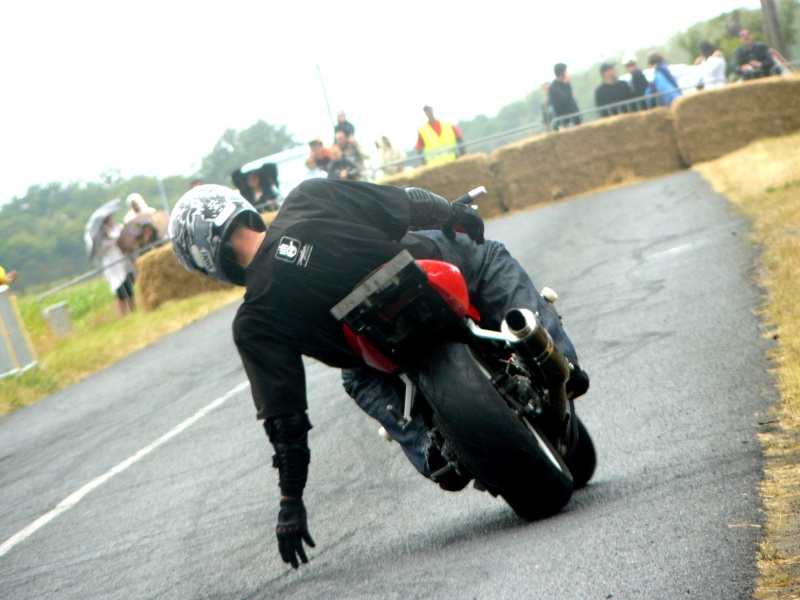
{"x":77,"y":496}
{"x":672,"y":251}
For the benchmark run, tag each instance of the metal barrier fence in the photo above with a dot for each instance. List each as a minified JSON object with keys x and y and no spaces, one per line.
{"x":97,"y":271}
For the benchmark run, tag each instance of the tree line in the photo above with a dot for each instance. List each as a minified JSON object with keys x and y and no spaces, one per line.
{"x":41,"y":233}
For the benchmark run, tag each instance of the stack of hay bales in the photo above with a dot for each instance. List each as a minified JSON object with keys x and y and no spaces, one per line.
{"x":454,"y":179}
{"x":607,"y":152}
{"x":161,"y":278}
{"x":713,"y":123}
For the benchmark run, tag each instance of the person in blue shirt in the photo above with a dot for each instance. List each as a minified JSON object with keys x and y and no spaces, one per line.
{"x":664,"y":83}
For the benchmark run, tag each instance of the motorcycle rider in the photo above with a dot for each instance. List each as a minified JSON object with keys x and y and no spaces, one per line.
{"x":327,"y":237}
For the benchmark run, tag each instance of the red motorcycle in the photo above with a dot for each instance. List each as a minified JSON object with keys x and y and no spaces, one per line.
{"x":495,"y":403}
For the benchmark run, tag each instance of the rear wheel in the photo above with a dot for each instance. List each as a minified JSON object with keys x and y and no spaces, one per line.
{"x":508,"y":455}
{"x":581,"y":458}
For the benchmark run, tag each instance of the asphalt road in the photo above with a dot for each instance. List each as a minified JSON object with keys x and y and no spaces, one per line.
{"x":147,"y":481}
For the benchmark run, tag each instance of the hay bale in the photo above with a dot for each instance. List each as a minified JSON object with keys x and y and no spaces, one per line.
{"x":527,"y":172}
{"x":161,"y":278}
{"x":716,"y":122}
{"x":610,"y":151}
{"x":454,"y":179}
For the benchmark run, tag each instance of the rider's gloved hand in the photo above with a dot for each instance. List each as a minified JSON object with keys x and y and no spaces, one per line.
{"x":428,"y":209}
{"x":467,"y":218}
{"x":292,"y":531}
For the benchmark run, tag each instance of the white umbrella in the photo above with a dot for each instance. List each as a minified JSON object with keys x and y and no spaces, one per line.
{"x":95,"y":222}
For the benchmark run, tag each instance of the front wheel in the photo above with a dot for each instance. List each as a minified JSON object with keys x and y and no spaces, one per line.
{"x":503,"y":451}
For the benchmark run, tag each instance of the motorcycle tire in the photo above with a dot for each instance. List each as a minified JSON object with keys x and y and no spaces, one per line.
{"x":508,"y":455}
{"x":582,"y":458}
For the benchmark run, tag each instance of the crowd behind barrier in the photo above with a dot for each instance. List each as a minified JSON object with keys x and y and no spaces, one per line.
{"x":490,"y":143}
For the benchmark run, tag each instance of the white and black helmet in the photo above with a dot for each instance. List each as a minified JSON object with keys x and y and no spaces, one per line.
{"x":200,"y":225}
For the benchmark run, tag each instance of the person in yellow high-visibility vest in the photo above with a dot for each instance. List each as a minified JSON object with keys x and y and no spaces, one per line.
{"x":438,"y":135}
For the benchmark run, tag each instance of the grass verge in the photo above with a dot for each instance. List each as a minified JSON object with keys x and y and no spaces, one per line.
{"x":763,"y":180}
{"x":100,"y":337}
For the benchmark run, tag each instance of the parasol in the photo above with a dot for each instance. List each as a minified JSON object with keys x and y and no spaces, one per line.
{"x":143,"y":230}
{"x":95,"y":223}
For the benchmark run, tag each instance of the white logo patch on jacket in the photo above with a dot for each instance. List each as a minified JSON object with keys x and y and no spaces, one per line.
{"x":294,"y":251}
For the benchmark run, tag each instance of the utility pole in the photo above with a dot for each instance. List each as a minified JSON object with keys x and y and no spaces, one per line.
{"x":773,"y":28}
{"x":325,"y":94}
{"x":162,"y":192}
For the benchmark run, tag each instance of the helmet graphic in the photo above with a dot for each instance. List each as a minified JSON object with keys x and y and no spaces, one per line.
{"x":200,"y":225}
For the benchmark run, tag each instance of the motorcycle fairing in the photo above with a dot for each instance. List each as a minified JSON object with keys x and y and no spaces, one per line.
{"x":401,"y":305}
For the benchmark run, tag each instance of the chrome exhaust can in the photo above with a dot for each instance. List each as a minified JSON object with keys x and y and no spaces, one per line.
{"x":534,"y":345}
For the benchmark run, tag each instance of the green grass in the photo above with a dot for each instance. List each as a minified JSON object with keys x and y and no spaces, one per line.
{"x":100,"y":336}
{"x":85,"y":301}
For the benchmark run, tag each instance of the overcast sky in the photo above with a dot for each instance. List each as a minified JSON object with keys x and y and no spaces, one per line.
{"x":149,"y":88}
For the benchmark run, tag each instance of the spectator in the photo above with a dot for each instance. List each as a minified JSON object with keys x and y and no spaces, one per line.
{"x":752,"y":59}
{"x":664,"y":86}
{"x":544,"y":106}
{"x":196,"y":183}
{"x":343,"y":125}
{"x":117,"y":270}
{"x":350,"y":149}
{"x":342,"y":167}
{"x":712,"y":66}
{"x":319,"y":156}
{"x":438,"y":141}
{"x":7,"y":277}
{"x":389,"y":154}
{"x":638,"y":82}
{"x":612,"y":91}
{"x":561,"y":99}
{"x":259,"y":187}
{"x":137,"y":206}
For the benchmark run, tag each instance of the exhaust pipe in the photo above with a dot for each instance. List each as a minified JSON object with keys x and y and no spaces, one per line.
{"x":535,"y":346}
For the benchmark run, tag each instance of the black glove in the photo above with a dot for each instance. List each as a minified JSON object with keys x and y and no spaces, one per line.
{"x":428,"y":209}
{"x":292,"y":531}
{"x":468,"y":219}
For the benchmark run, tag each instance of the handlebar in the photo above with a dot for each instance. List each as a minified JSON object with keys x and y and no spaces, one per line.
{"x":471,"y":196}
